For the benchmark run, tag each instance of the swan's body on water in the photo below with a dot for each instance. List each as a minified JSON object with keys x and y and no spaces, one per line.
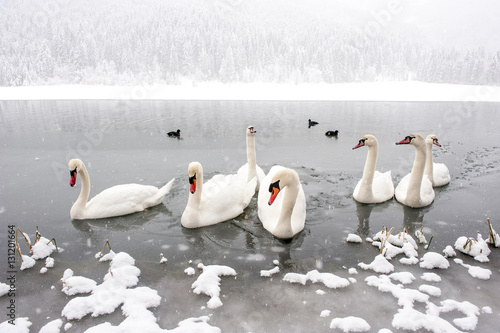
{"x":282,"y":203}
{"x":251,"y":169}
{"x":415,"y":190}
{"x":221,"y":198}
{"x":374,"y":186}
{"x":115,"y":201}
{"x":438,"y":173}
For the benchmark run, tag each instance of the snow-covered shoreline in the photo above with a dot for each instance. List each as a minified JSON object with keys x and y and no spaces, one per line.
{"x":412,"y":91}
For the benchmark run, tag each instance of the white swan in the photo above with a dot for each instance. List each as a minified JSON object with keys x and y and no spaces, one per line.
{"x":220,"y":199}
{"x":114,"y":201}
{"x":282,"y":214}
{"x":251,"y":169}
{"x":438,"y":173}
{"x":415,"y":190}
{"x":374,"y":186}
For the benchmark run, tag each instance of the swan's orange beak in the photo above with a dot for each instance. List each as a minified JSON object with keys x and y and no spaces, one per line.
{"x":361,"y":143}
{"x":436,"y":142}
{"x":274,"y":188}
{"x":72,"y":180}
{"x":192,"y":183}
{"x":405,"y":141}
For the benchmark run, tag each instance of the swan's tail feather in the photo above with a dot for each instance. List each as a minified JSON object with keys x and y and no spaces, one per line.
{"x":166,"y":188}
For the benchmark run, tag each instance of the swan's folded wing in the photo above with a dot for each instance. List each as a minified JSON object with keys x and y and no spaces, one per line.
{"x":441,"y":174}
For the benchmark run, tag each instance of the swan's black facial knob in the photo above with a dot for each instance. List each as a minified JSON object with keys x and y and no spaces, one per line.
{"x":72,"y":180}
{"x":192,"y":182}
{"x":274,"y":189}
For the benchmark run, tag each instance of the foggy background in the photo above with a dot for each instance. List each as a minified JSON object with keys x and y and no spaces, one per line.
{"x":280,"y":41}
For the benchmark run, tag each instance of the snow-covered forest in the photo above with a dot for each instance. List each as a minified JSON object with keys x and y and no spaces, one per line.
{"x":125,"y":42}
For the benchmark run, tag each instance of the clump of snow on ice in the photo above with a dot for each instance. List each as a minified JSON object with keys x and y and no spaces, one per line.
{"x":276,"y":262}
{"x":268,"y":273}
{"x":53,"y":326}
{"x":163,"y":260}
{"x":42,"y":249}
{"x":43,"y":270}
{"x":325,"y":313}
{"x":350,"y":324}
{"x":476,"y":248}
{"x":420,"y":237}
{"x":430,"y":290}
{"x":352,"y":271}
{"x":380,"y":265}
{"x":487,"y":310}
{"x":27,"y":262}
{"x":403,"y":277}
{"x":471,"y":312}
{"x":73,"y":285}
{"x":112,"y":292}
{"x":4,"y":289}
{"x":475,"y":271}
{"x":320,"y":292}
{"x":49,"y":262}
{"x":432,"y":260}
{"x":449,"y":252}
{"x":353,"y":238}
{"x":190,"y":271}
{"x":392,"y":245}
{"x":68,"y":326}
{"x":409,"y":261}
{"x":21,"y":325}
{"x":330,"y":280}
{"x":431,"y":277}
{"x":208,"y":282}
{"x":406,"y":297}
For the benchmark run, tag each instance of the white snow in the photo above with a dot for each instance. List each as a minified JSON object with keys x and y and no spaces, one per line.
{"x":403,"y":277}
{"x":28,"y":262}
{"x":49,"y":262}
{"x":380,"y":265}
{"x":190,"y":271}
{"x":73,"y":285}
{"x":431,"y":277}
{"x":330,"y":280}
{"x":268,"y":273}
{"x":350,"y":324}
{"x":320,"y":292}
{"x":4,"y":289}
{"x":430,"y":290}
{"x":432,"y":260}
{"x":42,"y":249}
{"x":477,"y":248}
{"x":449,"y":252}
{"x":352,"y":238}
{"x":405,"y":296}
{"x":21,"y":325}
{"x":325,"y":313}
{"x":53,"y":326}
{"x":362,"y":91}
{"x":475,"y":271}
{"x":208,"y":282}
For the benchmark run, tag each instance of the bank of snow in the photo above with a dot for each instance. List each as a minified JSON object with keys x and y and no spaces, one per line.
{"x":359,"y":91}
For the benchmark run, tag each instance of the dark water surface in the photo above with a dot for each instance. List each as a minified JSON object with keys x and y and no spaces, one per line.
{"x":126,"y":142}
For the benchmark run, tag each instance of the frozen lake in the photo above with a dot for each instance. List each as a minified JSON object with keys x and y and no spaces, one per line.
{"x":126,"y":142}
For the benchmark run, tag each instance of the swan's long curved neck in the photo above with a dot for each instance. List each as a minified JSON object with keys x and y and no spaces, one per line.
{"x":429,"y":169}
{"x":417,"y":173}
{"x":284,"y":227}
{"x":251,"y":160}
{"x":370,"y":166}
{"x":81,"y":202}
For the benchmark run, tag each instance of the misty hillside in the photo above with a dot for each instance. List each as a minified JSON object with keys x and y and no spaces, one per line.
{"x":129,"y":43}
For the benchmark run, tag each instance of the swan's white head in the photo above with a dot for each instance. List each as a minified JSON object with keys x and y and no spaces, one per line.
{"x":432,"y":139}
{"x":281,"y":179}
{"x":367,"y":140}
{"x":74,"y":167}
{"x":414,"y":139}
{"x":193,"y":169}
{"x":251,"y":130}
